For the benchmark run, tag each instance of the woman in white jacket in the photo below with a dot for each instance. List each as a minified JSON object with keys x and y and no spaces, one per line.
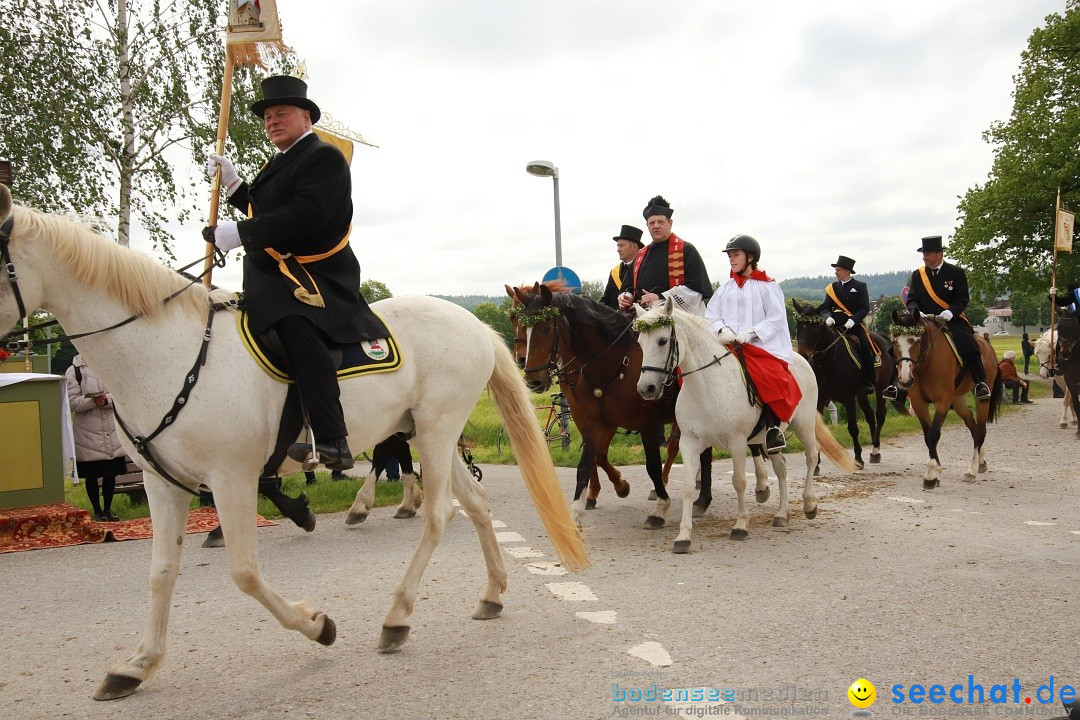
{"x":98,"y":455}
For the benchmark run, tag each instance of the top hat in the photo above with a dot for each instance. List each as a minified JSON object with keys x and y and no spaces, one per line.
{"x":845,"y":262}
{"x":631,"y":233}
{"x":931,"y":244}
{"x":286,"y":90}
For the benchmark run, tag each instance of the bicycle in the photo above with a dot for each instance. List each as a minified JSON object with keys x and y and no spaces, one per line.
{"x":556,"y":426}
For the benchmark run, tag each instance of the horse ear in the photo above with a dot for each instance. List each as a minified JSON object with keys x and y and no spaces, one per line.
{"x":638,"y":310}
{"x":669,"y":305}
{"x":520,"y":294}
{"x":797,"y":305}
{"x":545,"y":294}
{"x":895,"y":317}
{"x":5,"y":202}
{"x":536,"y":287}
{"x":509,"y":290}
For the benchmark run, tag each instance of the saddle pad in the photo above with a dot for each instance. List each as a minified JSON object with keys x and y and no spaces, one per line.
{"x":363,"y":358}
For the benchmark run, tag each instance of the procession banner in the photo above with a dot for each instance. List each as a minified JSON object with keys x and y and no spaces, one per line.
{"x":1063,"y":231}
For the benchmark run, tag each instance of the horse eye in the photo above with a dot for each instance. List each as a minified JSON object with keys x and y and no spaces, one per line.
{"x":662,"y":342}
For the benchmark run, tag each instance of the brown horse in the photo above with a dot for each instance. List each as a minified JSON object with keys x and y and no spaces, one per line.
{"x":593,"y":352}
{"x":833,"y":358}
{"x":932,"y":374}
{"x":1068,"y":332}
{"x":622,"y":488}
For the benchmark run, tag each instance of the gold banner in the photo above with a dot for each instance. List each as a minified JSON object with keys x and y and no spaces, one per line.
{"x":1063,"y":231}
{"x":252,"y":21}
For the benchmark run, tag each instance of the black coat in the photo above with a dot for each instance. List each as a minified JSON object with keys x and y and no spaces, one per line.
{"x":854,"y":296}
{"x":301,"y":203}
{"x":612,"y":291}
{"x":951,"y":286}
{"x":653,"y":274}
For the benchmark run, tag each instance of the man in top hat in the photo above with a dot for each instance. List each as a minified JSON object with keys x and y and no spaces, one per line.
{"x":301,"y":277}
{"x":668,"y":266}
{"x":941,"y":288}
{"x":846,"y":305}
{"x":627,"y":244}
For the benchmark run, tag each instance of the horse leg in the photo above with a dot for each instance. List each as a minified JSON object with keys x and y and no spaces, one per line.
{"x":650,"y":441}
{"x":738,"y":481}
{"x":704,"y":488}
{"x":411,"y":496}
{"x":761,"y":473}
{"x":879,"y":424}
{"x":473,"y":499}
{"x":853,"y":428}
{"x":437,"y":455}
{"x":585,"y":468}
{"x":168,"y":509}
{"x":691,"y":463}
{"x":783,"y":513}
{"x":672,"y":451}
{"x":603,"y":444}
{"x":931,"y":435}
{"x":296,"y":509}
{"x":977,"y":430}
{"x":364,"y":501}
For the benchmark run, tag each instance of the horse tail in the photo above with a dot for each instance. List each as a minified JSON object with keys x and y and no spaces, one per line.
{"x":833,"y":450}
{"x":512,"y":401}
{"x":996,"y":393}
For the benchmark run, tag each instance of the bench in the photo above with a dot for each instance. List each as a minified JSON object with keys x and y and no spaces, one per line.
{"x":131,"y":483}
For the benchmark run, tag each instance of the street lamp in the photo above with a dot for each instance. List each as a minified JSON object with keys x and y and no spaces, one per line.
{"x":545,"y":168}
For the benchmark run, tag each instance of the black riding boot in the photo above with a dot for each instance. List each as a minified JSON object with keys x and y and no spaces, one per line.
{"x":775,"y":440}
{"x":975,"y":367}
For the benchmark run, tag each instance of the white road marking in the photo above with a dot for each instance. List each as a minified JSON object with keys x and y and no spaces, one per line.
{"x":508,"y":537}
{"x":498,"y":523}
{"x":1075,"y":532}
{"x":572,"y":592}
{"x":546,"y":568}
{"x":905,"y":499}
{"x":523,"y":552}
{"x":652,"y":653}
{"x":602,"y":617}
{"x":1038,"y":523}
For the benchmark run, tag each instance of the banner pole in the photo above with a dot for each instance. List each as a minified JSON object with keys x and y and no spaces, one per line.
{"x":215,"y":185}
{"x":1053,"y":283}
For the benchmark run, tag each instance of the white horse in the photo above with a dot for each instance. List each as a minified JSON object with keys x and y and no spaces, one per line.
{"x":1042,"y":352}
{"x":228,"y":425}
{"x":714,"y":409}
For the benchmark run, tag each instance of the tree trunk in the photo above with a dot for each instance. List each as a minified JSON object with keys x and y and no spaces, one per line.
{"x":127,"y":155}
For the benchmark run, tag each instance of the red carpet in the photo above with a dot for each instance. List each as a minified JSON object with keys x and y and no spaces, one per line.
{"x":61,"y":524}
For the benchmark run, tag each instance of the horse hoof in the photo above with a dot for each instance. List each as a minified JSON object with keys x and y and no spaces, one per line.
{"x":779,"y":521}
{"x":590,"y":504}
{"x":859,"y":465}
{"x":811,"y":513}
{"x":355,"y":518}
{"x":762,"y":495}
{"x":404,"y":514}
{"x":624,"y":490}
{"x":392,"y":638}
{"x":681,"y":547}
{"x":214,"y":539}
{"x":930,"y":484}
{"x":969,"y":478}
{"x":309,"y":522}
{"x":114,"y":687}
{"x":654,"y":523}
{"x":738,"y":534}
{"x":875,"y":458}
{"x":983,"y":467}
{"x":1063,"y":425}
{"x":329,"y":631}
{"x":487,"y":610}
{"x":652,"y":494}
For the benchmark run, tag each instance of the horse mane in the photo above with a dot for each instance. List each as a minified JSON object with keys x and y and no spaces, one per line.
{"x":612,"y":323}
{"x":136,"y":281}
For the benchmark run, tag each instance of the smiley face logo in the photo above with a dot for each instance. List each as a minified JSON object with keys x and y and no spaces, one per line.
{"x":862,"y":693}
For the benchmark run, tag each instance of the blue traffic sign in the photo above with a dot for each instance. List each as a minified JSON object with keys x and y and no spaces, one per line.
{"x":573,"y":282}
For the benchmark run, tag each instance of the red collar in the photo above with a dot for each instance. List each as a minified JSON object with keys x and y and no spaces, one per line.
{"x":754,"y":275}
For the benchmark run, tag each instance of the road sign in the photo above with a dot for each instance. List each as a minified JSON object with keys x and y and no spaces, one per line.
{"x":573,"y":282}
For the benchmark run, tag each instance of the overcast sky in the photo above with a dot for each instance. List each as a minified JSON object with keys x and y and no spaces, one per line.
{"x":820,"y":128}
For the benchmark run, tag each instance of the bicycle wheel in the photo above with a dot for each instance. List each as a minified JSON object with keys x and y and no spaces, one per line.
{"x":564,"y":430}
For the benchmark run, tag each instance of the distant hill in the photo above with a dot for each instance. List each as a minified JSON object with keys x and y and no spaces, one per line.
{"x":813,"y":288}
{"x":470,"y":301}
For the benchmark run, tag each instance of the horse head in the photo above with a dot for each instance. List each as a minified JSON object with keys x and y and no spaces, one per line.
{"x":908,"y":331}
{"x":537,"y":323}
{"x":659,"y":350}
{"x":518,"y":328}
{"x":811,"y":333}
{"x":1068,"y":330}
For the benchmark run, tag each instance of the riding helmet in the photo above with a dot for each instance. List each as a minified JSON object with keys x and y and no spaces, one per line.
{"x":745,"y":243}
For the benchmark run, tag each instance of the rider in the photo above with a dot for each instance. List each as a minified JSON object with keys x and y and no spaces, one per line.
{"x":301,"y":277}
{"x":847,"y":303}
{"x":627,"y":244}
{"x":667,"y":266}
{"x":748,"y":309}
{"x":941,"y":288}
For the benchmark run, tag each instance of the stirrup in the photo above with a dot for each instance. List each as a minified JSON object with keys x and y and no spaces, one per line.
{"x":982,"y":392}
{"x":775,"y":441}
{"x":890,"y":393}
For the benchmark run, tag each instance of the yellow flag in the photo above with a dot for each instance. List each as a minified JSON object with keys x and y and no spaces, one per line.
{"x":1063,"y":231}
{"x":252,"y":24}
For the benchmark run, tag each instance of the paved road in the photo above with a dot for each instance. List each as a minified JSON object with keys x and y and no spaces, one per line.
{"x":890,"y":583}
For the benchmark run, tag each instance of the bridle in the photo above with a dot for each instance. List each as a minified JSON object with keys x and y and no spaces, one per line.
{"x":563,"y":371}
{"x":671,"y":362}
{"x":926,"y":345}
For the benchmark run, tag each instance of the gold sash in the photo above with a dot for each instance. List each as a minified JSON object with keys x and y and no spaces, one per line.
{"x":933,"y":295}
{"x":615,"y":276}
{"x":832,"y":296}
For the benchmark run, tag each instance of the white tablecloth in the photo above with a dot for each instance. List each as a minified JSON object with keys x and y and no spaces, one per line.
{"x":67,"y":435}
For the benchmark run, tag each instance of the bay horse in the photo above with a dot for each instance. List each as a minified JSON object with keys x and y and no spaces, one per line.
{"x":590,"y":348}
{"x":1068,"y":331}
{"x":833,"y":357}
{"x":714,"y":408}
{"x":933,"y":376}
{"x":1046,"y":370}
{"x":229,"y":422}
{"x":622,"y":487}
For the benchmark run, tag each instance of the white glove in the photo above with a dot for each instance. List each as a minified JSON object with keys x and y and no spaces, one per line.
{"x":945,"y":315}
{"x":1053,"y":291}
{"x":726,"y":336}
{"x":226,"y":237}
{"x":829,"y":321}
{"x":745,"y":337}
{"x":849,"y":324}
{"x":230,"y":180}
